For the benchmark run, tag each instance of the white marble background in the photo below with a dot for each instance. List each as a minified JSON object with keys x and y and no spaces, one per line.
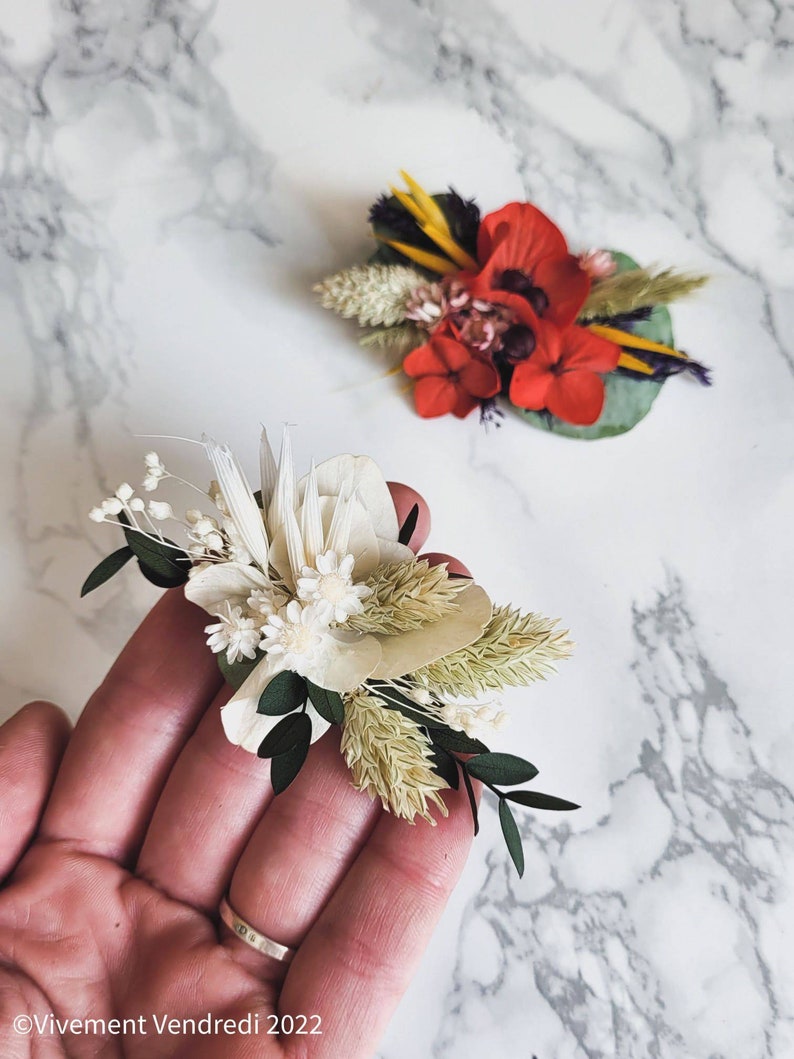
{"x":173,"y":177}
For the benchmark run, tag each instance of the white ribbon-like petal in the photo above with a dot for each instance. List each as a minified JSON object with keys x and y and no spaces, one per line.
{"x":284,"y":492}
{"x":268,"y":471}
{"x":362,"y":542}
{"x":364,"y":478}
{"x":405,"y":652}
{"x":312,"y":519}
{"x":239,"y":499}
{"x":210,"y":587}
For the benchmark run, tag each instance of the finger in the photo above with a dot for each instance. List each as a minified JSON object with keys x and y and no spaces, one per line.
{"x":302,"y":848}
{"x":360,"y":956}
{"x":404,"y":499}
{"x":211,"y":803}
{"x":32,"y":743}
{"x":131,"y":731}
{"x":454,"y":566}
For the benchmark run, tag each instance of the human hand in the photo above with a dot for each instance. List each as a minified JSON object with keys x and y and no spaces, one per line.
{"x":118,"y":841}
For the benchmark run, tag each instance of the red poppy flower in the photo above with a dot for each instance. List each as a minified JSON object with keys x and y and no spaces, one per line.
{"x":450,"y":377}
{"x":563,"y":375}
{"x":519,"y":250}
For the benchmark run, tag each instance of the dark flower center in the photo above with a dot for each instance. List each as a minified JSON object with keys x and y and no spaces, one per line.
{"x":518,"y":282}
{"x":518,"y":343}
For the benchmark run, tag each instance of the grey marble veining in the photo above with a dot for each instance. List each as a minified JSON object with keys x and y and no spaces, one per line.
{"x":672,"y":948}
{"x":173,"y":178}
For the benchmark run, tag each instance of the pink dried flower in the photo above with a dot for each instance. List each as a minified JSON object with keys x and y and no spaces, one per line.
{"x":598,"y":264}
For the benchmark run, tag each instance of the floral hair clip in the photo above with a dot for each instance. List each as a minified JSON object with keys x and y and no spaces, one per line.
{"x":498,"y":306}
{"x":322,"y":614}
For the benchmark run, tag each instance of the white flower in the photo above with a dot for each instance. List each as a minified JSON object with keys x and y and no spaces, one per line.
{"x":136,"y":504}
{"x":472,"y":719}
{"x":299,"y":635}
{"x":238,"y":552}
{"x":124,"y":492}
{"x":236,"y":635}
{"x":160,"y":510}
{"x":96,"y":514}
{"x":155,"y":470}
{"x":266,"y":601}
{"x":329,"y":585}
{"x":112,"y":505}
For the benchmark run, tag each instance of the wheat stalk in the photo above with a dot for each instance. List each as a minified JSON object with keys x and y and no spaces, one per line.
{"x":406,"y":596}
{"x":638,"y":288}
{"x":514,"y":649}
{"x":390,"y":758}
{"x":374,"y":294}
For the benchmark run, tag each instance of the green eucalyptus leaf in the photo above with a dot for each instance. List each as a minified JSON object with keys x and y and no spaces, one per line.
{"x":512,"y":836}
{"x":162,"y":563}
{"x":285,"y":693}
{"x":285,"y":767}
{"x":536,"y":800}
{"x":457,"y":742}
{"x":291,"y":731}
{"x":445,"y":766}
{"x":472,"y":800}
{"x":628,"y":398}
{"x":329,"y":704}
{"x":236,"y":673}
{"x":408,"y":527}
{"x":501,"y":768}
{"x":109,"y":566}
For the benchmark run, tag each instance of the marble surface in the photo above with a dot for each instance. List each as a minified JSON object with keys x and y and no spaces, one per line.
{"x":174,"y":176}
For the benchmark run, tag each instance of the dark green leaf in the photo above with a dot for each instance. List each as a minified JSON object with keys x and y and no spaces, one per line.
{"x":285,"y":767}
{"x":536,"y":800}
{"x":501,"y":768}
{"x":106,"y":569}
{"x":237,"y":673}
{"x":285,"y":693}
{"x":328,"y":704}
{"x":445,"y":766}
{"x":472,"y":800}
{"x":164,"y":564}
{"x":512,"y":835}
{"x":290,"y":731}
{"x":408,"y":527}
{"x":457,"y":742}
{"x":628,"y":400}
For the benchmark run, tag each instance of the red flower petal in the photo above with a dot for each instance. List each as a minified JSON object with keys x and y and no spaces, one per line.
{"x":464,"y":404}
{"x":454,"y":354}
{"x":530,"y":384}
{"x":518,"y":236}
{"x":435,"y":396}
{"x":424,"y":360}
{"x":577,"y":397}
{"x":566,"y":285}
{"x":582,"y":349}
{"x":480,"y":378}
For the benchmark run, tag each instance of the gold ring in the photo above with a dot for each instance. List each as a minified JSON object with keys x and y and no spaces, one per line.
{"x":253,"y":937}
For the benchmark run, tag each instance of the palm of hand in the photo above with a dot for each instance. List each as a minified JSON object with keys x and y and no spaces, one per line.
{"x":118,"y":842}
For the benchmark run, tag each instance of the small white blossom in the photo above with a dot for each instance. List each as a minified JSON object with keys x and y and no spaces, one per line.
{"x":329,"y":585}
{"x":297,"y":634}
{"x":136,"y":504}
{"x":155,"y":470}
{"x":238,"y":636}
{"x":124,"y":492}
{"x":238,"y":552}
{"x":472,"y":719}
{"x":266,"y":601}
{"x":160,"y":510}
{"x":96,"y":514}
{"x":112,"y":505}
